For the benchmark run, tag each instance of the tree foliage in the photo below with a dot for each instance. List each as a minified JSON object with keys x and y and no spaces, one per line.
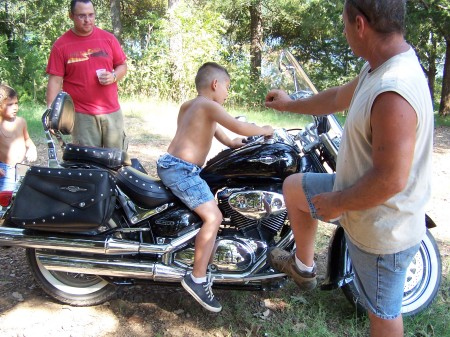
{"x":167,"y":40}
{"x":428,"y":30}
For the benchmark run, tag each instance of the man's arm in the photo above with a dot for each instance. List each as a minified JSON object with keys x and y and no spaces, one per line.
{"x":325,"y":102}
{"x":54,"y":86}
{"x":121,"y":71}
{"x":393,"y":122}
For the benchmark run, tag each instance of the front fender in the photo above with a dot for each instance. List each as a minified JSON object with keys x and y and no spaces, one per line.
{"x":338,"y":265}
{"x":339,"y":269}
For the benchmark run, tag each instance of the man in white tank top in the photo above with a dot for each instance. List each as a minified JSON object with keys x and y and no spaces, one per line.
{"x":383,"y":176}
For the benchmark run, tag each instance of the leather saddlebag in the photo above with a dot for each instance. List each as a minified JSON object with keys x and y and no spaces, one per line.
{"x":64,"y":200}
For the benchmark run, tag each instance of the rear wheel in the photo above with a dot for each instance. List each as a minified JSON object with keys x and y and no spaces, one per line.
{"x":76,"y":289}
{"x":423,"y":279}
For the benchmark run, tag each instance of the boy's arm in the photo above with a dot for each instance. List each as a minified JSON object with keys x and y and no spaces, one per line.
{"x":241,"y":128}
{"x":31,"y":153}
{"x":222,"y":137}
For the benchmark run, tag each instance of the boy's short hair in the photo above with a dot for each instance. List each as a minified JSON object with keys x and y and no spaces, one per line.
{"x":208,"y":72}
{"x":6,"y":92}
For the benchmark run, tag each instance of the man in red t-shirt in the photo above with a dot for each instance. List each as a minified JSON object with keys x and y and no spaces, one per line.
{"x":72,"y":66}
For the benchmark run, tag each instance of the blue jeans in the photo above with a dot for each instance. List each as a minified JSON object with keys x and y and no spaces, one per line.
{"x":380,"y":279}
{"x":316,"y":183}
{"x":183,"y":179}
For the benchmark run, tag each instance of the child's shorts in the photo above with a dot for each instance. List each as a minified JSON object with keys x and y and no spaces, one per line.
{"x":183,"y":179}
{"x":8,"y":181}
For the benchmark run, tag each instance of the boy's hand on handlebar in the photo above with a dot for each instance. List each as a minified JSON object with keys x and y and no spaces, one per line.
{"x":268,"y":130}
{"x":238,"y":142}
{"x":277,"y":99}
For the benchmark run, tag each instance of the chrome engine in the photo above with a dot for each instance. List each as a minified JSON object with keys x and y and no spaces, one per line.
{"x":231,"y":254}
{"x":252,"y":210}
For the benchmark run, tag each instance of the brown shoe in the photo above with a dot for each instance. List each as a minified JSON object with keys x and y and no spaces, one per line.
{"x":285,"y":262}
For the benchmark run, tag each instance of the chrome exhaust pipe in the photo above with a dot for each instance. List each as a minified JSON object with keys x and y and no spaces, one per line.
{"x":109,"y":246}
{"x":104,"y":266}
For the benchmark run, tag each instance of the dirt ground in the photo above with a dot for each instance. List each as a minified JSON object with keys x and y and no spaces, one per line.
{"x":25,"y":310}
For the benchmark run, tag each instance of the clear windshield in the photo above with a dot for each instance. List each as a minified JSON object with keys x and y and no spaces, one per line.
{"x":282,"y":71}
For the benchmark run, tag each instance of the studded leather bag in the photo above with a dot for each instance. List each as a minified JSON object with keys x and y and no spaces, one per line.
{"x":64,"y":200}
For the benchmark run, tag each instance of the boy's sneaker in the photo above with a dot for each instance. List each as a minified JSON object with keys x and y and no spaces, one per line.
{"x":285,"y":262}
{"x":202,"y":293}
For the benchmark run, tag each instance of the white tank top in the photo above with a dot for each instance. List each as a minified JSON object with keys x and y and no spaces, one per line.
{"x":399,"y":223}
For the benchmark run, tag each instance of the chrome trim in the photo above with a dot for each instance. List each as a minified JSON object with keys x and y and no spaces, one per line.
{"x":268,"y":160}
{"x":257,"y":205}
{"x":110,"y":246}
{"x":111,"y":267}
{"x":136,"y":213}
{"x":140,"y":270}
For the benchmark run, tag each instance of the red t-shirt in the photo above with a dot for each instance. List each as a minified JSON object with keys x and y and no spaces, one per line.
{"x":76,"y":59}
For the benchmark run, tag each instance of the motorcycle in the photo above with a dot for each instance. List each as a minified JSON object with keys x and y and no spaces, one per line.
{"x":96,"y":220}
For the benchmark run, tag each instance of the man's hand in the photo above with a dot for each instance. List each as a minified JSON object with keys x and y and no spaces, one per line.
{"x":277,"y":99}
{"x":327,"y":205}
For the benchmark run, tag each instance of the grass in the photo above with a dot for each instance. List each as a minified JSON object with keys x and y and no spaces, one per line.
{"x":319,"y":313}
{"x":138,"y":108}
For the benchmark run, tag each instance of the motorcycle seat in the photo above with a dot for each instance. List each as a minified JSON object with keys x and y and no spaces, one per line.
{"x":106,"y":157}
{"x":143,"y":190}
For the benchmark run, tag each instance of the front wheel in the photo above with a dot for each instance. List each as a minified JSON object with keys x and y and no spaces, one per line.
{"x":72,"y":288}
{"x":423,"y":279}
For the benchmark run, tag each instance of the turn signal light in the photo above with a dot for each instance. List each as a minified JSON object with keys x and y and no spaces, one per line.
{"x":5,"y":198}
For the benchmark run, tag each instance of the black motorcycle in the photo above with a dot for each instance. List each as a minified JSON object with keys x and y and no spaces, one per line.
{"x":96,"y":220}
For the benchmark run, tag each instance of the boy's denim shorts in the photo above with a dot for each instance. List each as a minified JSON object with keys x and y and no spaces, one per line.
{"x":380,"y":279}
{"x":8,"y":181}
{"x":183,"y":179}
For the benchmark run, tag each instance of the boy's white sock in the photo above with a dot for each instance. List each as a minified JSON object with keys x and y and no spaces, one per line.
{"x":198,"y":280}
{"x":302,"y":266}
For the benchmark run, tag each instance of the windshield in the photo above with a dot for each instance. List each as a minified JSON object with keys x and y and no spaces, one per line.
{"x":282,"y":71}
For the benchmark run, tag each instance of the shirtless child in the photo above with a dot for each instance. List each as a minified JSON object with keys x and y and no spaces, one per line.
{"x":179,"y":168}
{"x":15,"y":142}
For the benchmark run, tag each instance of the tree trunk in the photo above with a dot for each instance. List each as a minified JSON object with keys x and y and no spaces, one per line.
{"x":115,"y":19}
{"x":256,"y":35}
{"x":444,"y":109}
{"x":431,"y":73}
{"x":176,"y":52}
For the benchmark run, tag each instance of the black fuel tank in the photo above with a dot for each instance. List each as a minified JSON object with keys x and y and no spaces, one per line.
{"x":259,"y":160}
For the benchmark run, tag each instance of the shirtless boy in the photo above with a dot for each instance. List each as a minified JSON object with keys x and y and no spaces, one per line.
{"x":179,"y":168}
{"x":15,"y":142}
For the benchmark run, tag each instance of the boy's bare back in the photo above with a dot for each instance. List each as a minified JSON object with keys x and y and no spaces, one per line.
{"x":200,"y":119}
{"x":195,"y":130}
